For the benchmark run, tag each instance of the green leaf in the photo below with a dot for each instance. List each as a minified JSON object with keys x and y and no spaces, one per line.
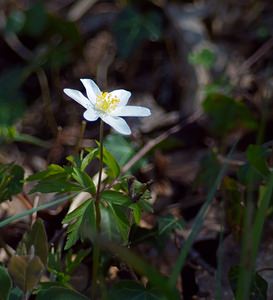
{"x":131,"y":290}
{"x":169,"y":223}
{"x":52,"y":169}
{"x":133,"y":27}
{"x":139,"y":193}
{"x":54,"y":180}
{"x":16,"y":294}
{"x":36,"y":20}
{"x":67,"y":30}
{"x":84,"y":180}
{"x":12,"y":101}
{"x":55,"y":184}
{"x":115,"y":224}
{"x":226,"y":114}
{"x":73,"y":260}
{"x":37,"y":238}
{"x":115,"y":197}
{"x":136,"y":212}
{"x":26,"y":271}
{"x":88,"y":158}
{"x":82,"y":223}
{"x":60,"y":294}
{"x":120,"y":148}
{"x":5,"y":283}
{"x":256,"y":156}
{"x":204,"y":57}
{"x":15,"y":21}
{"x":11,"y":180}
{"x":109,"y":160}
{"x":123,"y":150}
{"x":258,"y":289}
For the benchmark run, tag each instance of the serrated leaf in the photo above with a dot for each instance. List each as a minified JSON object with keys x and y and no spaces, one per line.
{"x":76,"y":213}
{"x":131,"y":290}
{"x":115,"y":197}
{"x":55,"y":179}
{"x":5,"y":284}
{"x":52,"y":169}
{"x":139,"y":193}
{"x":84,"y":180}
{"x":77,"y":229}
{"x":60,"y":294}
{"x":26,"y":271}
{"x":11,"y":180}
{"x":115,"y":224}
{"x":55,"y":184}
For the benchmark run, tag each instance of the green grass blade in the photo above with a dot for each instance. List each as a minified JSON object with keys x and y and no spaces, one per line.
{"x":26,"y":138}
{"x":33,"y":210}
{"x":218,"y":275}
{"x":197,"y":224}
{"x":261,"y":216}
{"x":251,"y":246}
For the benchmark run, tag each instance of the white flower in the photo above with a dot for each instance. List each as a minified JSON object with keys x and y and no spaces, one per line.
{"x":110,"y":107}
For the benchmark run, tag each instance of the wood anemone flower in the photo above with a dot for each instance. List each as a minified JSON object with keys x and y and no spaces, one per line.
{"x":110,"y":107}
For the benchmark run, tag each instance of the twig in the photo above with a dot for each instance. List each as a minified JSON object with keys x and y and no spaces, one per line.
{"x":152,"y":143}
{"x":35,"y":205}
{"x":47,"y":100}
{"x":79,"y":9}
{"x":80,"y":138}
{"x":256,"y":55}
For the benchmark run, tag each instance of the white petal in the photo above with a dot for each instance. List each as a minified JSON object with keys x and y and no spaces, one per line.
{"x":77,"y":96}
{"x":92,"y":90}
{"x":123,"y":96}
{"x":131,"y":111}
{"x":117,"y":123}
{"x":90,"y":114}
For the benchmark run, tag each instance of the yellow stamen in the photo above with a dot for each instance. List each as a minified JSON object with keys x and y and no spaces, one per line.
{"x":106,"y":102}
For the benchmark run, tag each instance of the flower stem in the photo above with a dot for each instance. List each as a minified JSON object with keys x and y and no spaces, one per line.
{"x":97,"y":200}
{"x":96,"y":249}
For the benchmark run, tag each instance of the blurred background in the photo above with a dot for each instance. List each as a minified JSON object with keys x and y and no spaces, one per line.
{"x":170,"y":54}
{"x":203,"y":67}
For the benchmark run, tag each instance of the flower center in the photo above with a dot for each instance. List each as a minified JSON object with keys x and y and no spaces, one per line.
{"x":106,"y":102}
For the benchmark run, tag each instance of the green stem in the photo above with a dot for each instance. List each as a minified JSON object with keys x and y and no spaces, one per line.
{"x":97,"y":200}
{"x":96,"y":249}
